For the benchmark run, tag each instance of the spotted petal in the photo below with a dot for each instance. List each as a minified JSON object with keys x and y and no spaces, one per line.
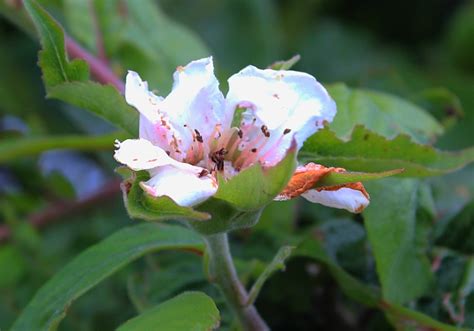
{"x":187,"y":187}
{"x":286,"y":104}
{"x":352,"y":196}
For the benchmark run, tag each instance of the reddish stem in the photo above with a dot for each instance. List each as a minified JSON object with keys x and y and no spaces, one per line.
{"x":98,"y":68}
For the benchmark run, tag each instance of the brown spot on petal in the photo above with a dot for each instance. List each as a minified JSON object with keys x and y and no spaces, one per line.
{"x":307,"y":176}
{"x":304,"y":179}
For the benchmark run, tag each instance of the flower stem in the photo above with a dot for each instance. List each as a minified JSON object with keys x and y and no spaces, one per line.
{"x":223,"y":273}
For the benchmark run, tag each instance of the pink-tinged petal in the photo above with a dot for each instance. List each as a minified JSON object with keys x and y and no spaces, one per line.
{"x":352,"y":199}
{"x":287,"y":104}
{"x":187,"y":187}
{"x":140,"y":154}
{"x":195,"y":105}
{"x":138,"y":96}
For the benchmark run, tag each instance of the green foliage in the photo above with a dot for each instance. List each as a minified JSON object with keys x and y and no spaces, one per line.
{"x":187,"y":311}
{"x":408,"y":257}
{"x":10,"y":149}
{"x":59,"y":73}
{"x":48,"y":307}
{"x":255,"y":187}
{"x":370,"y":152}
{"x":391,"y":220}
{"x":381,"y":113}
{"x":56,"y":67}
{"x":278,"y":263}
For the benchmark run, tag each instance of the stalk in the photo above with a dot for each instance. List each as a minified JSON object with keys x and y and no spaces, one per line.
{"x":223,"y":273}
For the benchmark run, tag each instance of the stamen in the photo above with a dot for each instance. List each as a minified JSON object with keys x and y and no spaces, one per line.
{"x":198,"y":136}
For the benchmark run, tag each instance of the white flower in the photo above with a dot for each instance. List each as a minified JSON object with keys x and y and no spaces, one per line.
{"x":187,"y":137}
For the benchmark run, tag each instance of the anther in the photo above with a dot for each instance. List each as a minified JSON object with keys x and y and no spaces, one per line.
{"x":265,"y":131}
{"x":240,"y":133}
{"x":286,"y":131}
{"x":198,"y":136}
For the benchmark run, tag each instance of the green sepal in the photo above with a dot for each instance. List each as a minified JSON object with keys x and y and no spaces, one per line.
{"x":255,"y":187}
{"x":225,"y":217}
{"x":239,"y":201}
{"x":286,"y":64}
{"x":341,"y":178}
{"x":141,"y":205}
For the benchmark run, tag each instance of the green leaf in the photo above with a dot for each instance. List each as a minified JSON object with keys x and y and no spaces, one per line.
{"x":339,"y":178}
{"x":81,"y":21}
{"x":350,"y":285}
{"x":403,"y":318}
{"x":188,"y":311}
{"x":369,"y":152}
{"x":458,"y":233}
{"x":103,"y":100}
{"x":278,"y":263}
{"x":48,"y":307}
{"x":67,"y":80}
{"x":390,"y":220}
{"x":441,"y":103}
{"x":11,"y":149}
{"x":382,"y":113}
{"x":163,"y":43}
{"x":285,"y":65}
{"x":53,"y":61}
{"x":12,"y":260}
{"x":141,"y":205}
{"x":255,"y":187}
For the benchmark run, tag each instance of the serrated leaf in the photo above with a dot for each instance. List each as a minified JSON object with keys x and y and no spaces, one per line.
{"x":382,"y":113}
{"x":103,"y":100}
{"x":390,"y":220}
{"x":143,"y":206}
{"x":67,"y":80}
{"x":48,"y":307}
{"x":255,"y":187}
{"x":53,"y":60}
{"x":188,"y":311}
{"x":370,"y":152}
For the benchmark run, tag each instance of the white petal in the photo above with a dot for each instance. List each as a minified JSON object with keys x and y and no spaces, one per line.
{"x":196,"y":100}
{"x":344,"y":198}
{"x":186,"y":187}
{"x":283,"y":101}
{"x":138,"y":96}
{"x":140,"y":154}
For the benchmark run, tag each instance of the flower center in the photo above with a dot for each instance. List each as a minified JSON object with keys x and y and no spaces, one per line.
{"x":233,"y":149}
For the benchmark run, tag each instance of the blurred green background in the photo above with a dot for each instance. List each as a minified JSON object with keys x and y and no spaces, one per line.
{"x":412,"y":49}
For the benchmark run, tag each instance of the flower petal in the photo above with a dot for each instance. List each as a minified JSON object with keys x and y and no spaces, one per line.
{"x":141,"y":154}
{"x":353,"y":198}
{"x":195,"y":102}
{"x":187,"y":187}
{"x":289,"y":104}
{"x":138,"y":96}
